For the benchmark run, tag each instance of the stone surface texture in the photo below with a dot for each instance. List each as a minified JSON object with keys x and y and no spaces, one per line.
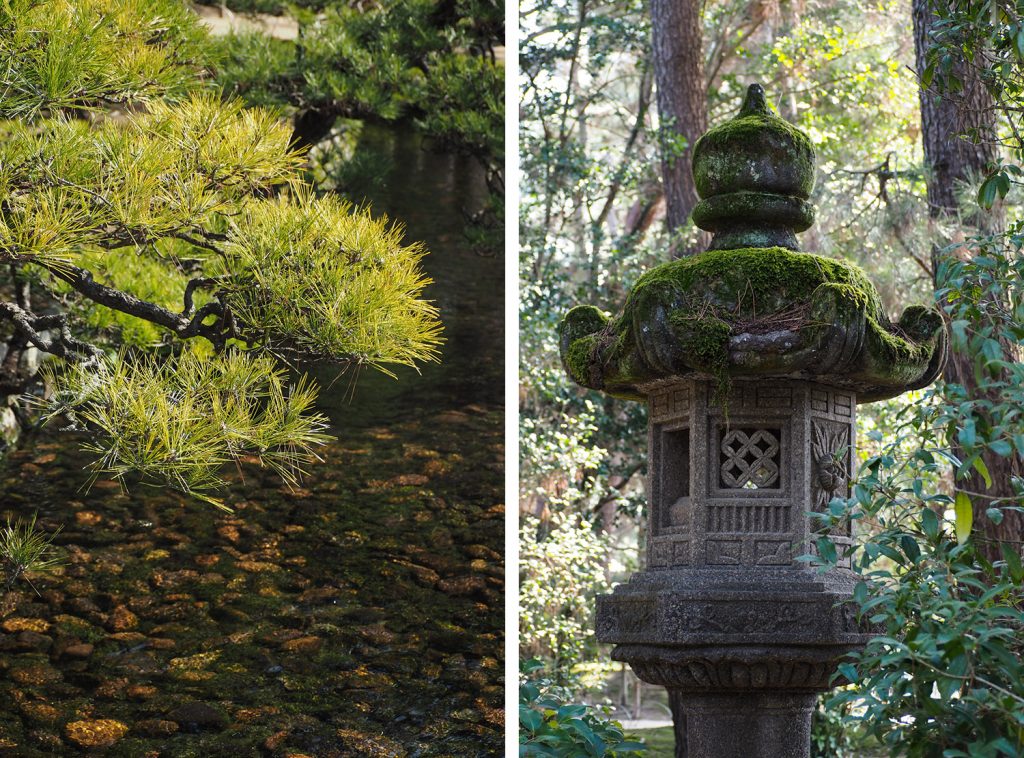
{"x":752,"y":358}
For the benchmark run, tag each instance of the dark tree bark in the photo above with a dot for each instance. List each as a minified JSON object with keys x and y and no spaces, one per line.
{"x":952,"y":159}
{"x":678,"y":59}
{"x":311,"y":127}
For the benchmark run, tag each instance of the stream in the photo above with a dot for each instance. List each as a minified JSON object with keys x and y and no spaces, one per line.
{"x":360,"y":614}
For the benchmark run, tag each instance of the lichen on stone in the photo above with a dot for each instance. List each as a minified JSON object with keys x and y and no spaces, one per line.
{"x":748,"y":312}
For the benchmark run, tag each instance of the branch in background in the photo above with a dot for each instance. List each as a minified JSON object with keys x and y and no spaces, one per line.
{"x":32,"y":329}
{"x":644,"y":101}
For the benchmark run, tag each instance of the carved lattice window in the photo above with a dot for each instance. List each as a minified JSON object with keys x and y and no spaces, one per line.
{"x":750,"y":459}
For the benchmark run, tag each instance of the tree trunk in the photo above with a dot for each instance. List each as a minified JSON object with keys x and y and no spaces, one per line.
{"x":678,"y":60}
{"x":951,"y":160}
{"x":311,"y":127}
{"x":677,"y":56}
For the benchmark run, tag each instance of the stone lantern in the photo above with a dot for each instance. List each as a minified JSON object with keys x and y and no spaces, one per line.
{"x":752,"y":357}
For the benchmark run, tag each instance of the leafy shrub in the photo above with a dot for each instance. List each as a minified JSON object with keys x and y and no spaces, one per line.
{"x":549,"y":726}
{"x":831,"y":733}
{"x":945,"y":677}
{"x":562,"y":571}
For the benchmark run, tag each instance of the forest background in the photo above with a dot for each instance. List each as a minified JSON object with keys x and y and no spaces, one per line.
{"x":913,"y":109}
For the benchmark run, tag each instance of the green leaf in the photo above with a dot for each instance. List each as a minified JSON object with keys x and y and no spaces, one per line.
{"x":968,"y":434}
{"x":571,"y":711}
{"x":529,"y":719}
{"x":1002,"y":184}
{"x":1013,"y":562}
{"x":982,"y":469}
{"x":1001,"y":447}
{"x":629,"y":747}
{"x":827,"y":549}
{"x":964,"y":517}
{"x":910,"y":547}
{"x":929,"y":522}
{"x":987,"y":192}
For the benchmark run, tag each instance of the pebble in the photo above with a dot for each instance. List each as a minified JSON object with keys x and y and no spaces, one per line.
{"x":306,"y":645}
{"x":25,"y":625}
{"x":155,"y":727}
{"x":198,"y":715}
{"x":95,"y":733}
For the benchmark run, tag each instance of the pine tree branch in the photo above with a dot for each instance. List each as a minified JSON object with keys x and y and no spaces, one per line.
{"x":32,"y":327}
{"x":82,"y":282}
{"x":184,"y":324}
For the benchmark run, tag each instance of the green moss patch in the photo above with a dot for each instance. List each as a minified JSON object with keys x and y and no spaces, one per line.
{"x":681,"y":317}
{"x":753,"y":281}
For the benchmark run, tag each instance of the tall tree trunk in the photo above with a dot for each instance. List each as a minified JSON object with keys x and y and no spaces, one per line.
{"x":678,"y":60}
{"x":952,"y":159}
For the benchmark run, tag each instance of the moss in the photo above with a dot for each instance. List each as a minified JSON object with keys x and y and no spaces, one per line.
{"x":583,"y":319}
{"x":893,"y":350}
{"x":579,"y":357}
{"x":920,"y":322}
{"x":759,"y":152}
{"x":706,"y":339}
{"x":752,"y":209}
{"x":752,"y":281}
{"x":814,"y":316}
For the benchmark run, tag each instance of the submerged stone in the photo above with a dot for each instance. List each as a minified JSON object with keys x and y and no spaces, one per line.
{"x":198,"y":715}
{"x":25,"y":625}
{"x":95,"y":733}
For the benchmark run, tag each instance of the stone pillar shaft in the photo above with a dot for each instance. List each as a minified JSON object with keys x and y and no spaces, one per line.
{"x":762,"y":725}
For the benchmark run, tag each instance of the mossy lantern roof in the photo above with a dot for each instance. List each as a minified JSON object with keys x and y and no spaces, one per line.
{"x":753,"y":305}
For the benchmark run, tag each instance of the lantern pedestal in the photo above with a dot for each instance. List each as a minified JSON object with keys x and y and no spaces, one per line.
{"x":763,"y":725}
{"x":752,"y":357}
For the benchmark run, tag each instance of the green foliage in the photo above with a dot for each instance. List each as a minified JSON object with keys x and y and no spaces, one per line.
{"x":831,"y":733}
{"x":949,"y":658}
{"x":549,"y":726}
{"x":180,"y":215}
{"x":396,"y":60}
{"x":562,"y":572}
{"x":462,"y":103}
{"x":64,"y":54}
{"x":317,"y":279}
{"x":177,"y":423}
{"x":175,"y":171}
{"x":23,"y":550}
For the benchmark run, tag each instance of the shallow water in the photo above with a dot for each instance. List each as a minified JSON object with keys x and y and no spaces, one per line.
{"x":431,"y":193}
{"x":360,"y":615}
